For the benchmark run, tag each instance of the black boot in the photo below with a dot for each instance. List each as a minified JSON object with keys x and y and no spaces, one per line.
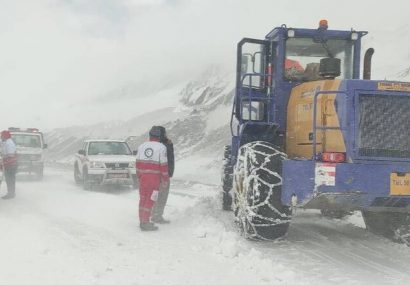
{"x":160,"y":220}
{"x":148,"y":227}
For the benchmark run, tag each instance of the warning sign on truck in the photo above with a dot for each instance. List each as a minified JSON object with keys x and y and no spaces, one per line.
{"x":325,"y":174}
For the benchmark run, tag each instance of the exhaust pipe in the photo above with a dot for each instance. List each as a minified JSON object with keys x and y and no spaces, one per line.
{"x":367,"y":65}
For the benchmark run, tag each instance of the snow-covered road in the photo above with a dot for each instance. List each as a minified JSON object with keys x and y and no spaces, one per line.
{"x":56,"y":233}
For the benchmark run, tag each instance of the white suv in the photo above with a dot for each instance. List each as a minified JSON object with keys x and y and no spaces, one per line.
{"x":30,"y":150}
{"x":102,"y":162}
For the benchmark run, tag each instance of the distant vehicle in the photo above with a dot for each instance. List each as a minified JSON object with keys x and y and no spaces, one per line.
{"x":30,"y":150}
{"x":104,"y":162}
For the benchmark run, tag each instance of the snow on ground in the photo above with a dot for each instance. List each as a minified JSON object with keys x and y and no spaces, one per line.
{"x":54,"y":232}
{"x":199,"y":168}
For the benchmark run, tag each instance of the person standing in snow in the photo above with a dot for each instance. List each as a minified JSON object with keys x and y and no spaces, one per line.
{"x":152,"y":171}
{"x":158,"y":211}
{"x":9,"y":157}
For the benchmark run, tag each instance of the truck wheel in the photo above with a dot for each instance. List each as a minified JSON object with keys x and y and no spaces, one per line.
{"x":227,"y":177}
{"x":77,"y":177}
{"x":86,"y":181}
{"x":391,"y":225}
{"x":335,"y":214}
{"x":257,"y":192}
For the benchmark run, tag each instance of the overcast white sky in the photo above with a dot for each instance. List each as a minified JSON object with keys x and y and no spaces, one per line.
{"x":58,"y":53}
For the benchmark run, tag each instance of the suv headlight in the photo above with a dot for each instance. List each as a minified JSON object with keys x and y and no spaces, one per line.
{"x":131,"y":165}
{"x":97,"y":164}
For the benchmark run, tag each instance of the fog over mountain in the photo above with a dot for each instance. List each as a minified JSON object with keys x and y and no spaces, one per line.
{"x":197,"y":124}
{"x":81,"y":69}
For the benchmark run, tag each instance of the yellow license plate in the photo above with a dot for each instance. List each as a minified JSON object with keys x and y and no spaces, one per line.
{"x":400,"y":184}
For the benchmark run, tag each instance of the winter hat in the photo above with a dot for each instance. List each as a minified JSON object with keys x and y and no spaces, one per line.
{"x":155,"y":132}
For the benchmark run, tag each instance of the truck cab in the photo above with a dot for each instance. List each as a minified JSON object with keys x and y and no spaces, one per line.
{"x":268,"y":70}
{"x":30,"y":150}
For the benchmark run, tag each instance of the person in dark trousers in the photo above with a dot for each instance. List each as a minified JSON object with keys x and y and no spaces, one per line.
{"x":9,"y":157}
{"x":158,"y":211}
{"x":152,"y":171}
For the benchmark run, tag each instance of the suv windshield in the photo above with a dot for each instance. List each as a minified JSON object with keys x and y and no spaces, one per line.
{"x":303,"y":56}
{"x":110,"y":148}
{"x":24,"y":140}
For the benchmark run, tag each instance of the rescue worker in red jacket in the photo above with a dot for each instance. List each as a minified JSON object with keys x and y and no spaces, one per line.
{"x":152,"y":171}
{"x":9,"y":157}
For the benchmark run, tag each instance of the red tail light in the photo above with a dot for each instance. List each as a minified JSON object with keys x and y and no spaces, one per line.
{"x":334,"y":157}
{"x":269,"y":74}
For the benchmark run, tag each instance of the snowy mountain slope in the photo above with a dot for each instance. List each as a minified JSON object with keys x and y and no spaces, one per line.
{"x":202,"y":92}
{"x":209,"y":102}
{"x":125,"y":103}
{"x":64,"y":142}
{"x":197,"y":124}
{"x":199,"y":136}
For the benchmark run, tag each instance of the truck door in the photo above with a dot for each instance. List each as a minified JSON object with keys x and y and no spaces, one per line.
{"x":252,"y":78}
{"x":251,"y":87}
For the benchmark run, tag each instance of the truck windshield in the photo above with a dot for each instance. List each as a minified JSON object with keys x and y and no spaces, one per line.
{"x":108,"y":148}
{"x":303,"y":56}
{"x":26,"y":140}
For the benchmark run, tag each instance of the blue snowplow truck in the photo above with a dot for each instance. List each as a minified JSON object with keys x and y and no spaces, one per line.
{"x":309,"y":131}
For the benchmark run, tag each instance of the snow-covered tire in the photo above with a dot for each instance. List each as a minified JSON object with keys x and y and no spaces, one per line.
{"x":257,"y":192}
{"x":77,"y":177}
{"x":391,"y":225}
{"x":335,"y":214}
{"x":226,"y":181}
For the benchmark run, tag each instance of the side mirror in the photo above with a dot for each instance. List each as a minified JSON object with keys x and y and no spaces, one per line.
{"x":134,"y":152}
{"x":81,"y":151}
{"x":45,"y":146}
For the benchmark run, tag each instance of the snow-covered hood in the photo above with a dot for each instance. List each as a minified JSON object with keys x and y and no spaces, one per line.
{"x":112,"y":158}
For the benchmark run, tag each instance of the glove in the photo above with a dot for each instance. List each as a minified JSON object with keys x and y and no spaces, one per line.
{"x":154,"y":195}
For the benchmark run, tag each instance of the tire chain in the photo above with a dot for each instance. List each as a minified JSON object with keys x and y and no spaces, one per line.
{"x":247,"y":213}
